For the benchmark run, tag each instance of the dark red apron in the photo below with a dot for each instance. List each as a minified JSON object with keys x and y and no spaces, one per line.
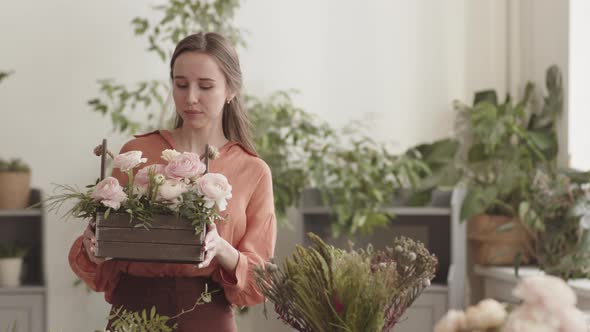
{"x":171,"y":295}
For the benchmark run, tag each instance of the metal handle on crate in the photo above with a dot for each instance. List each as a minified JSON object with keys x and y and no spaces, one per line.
{"x":103,"y":158}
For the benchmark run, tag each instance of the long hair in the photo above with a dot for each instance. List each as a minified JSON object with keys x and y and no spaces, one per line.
{"x":236,"y":126}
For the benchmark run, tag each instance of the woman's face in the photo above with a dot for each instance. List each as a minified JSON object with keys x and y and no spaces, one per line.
{"x":199,"y":90}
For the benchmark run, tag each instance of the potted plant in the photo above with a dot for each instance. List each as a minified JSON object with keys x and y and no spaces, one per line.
{"x":556,"y":214}
{"x":11,"y":261}
{"x":501,"y":144}
{"x":322,"y":288}
{"x":15,"y":184}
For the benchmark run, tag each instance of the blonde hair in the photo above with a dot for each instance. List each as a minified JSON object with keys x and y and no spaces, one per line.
{"x":236,"y":126}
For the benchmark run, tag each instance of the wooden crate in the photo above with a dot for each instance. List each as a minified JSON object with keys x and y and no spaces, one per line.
{"x":169,"y":239}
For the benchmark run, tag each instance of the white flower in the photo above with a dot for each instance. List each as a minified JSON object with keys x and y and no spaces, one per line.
{"x":170,"y":190}
{"x":527,"y":318}
{"x":571,"y":319}
{"x":426,"y":282}
{"x":540,"y":291}
{"x":140,"y":190}
{"x":169,"y":154}
{"x":453,"y":321}
{"x":213,"y":152}
{"x":128,"y":160}
{"x":160,"y":179}
{"x":215,"y":190}
{"x":412,"y":256}
{"x":486,"y":314}
{"x":398,"y":248}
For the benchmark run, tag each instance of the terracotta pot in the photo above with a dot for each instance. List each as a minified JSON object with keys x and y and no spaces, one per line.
{"x":10,"y":271}
{"x":488,"y":246}
{"x":15,"y":188}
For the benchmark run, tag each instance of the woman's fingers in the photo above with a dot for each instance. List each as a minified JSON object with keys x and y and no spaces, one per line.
{"x":89,"y":242}
{"x":208,"y":257}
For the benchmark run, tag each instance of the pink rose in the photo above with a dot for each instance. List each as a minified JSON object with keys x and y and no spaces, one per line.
{"x":128,"y":160}
{"x":185,"y":166}
{"x":109,"y":193}
{"x":215,"y":189}
{"x":142,"y":177}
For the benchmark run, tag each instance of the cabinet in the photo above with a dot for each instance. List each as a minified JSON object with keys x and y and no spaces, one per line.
{"x":25,"y":304}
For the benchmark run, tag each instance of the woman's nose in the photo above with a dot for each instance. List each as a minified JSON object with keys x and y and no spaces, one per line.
{"x":193,"y":96}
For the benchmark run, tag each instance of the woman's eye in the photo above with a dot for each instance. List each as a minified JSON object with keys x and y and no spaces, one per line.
{"x":206,"y":87}
{"x":181,"y":86}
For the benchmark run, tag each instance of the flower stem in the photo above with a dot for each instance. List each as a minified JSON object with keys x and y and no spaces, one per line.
{"x":130,"y":184}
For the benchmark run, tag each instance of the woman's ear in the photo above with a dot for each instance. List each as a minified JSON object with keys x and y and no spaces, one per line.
{"x":230,"y":96}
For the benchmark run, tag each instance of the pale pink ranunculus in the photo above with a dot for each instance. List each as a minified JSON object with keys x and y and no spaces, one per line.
{"x":215,"y":189}
{"x":110,"y":193}
{"x":541,"y":291}
{"x":142,"y":177}
{"x":485,"y":315}
{"x":185,"y":166}
{"x":169,"y":154}
{"x":453,"y":321}
{"x":528,"y":318}
{"x":128,"y":160}
{"x":171,"y":190}
{"x":571,"y":319}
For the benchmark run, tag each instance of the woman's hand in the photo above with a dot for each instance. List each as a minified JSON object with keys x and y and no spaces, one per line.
{"x":216,"y":247}
{"x":89,"y":242}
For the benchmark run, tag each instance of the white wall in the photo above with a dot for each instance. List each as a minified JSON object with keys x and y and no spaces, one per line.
{"x":542,"y":27}
{"x":58,"y":49}
{"x":401,"y":61}
{"x":579,"y":83}
{"x":350,"y":58}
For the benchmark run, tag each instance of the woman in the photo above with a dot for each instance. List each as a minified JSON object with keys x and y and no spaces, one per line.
{"x":206,"y":80}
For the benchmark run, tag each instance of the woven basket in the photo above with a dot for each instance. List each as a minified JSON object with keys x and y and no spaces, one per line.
{"x":15,"y":188}
{"x":169,"y":239}
{"x":488,"y":246}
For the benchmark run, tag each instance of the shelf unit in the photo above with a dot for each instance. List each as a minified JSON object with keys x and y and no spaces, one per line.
{"x":25,"y":304}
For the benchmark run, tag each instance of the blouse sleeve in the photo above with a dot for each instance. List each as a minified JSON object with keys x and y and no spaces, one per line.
{"x":255,"y":248}
{"x":103,"y":277}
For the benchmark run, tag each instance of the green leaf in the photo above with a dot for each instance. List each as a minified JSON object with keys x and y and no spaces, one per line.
{"x":477,"y":153}
{"x":486,"y":96}
{"x":477,"y":201}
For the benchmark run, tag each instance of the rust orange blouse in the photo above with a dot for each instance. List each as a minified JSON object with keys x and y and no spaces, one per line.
{"x":250,"y":226}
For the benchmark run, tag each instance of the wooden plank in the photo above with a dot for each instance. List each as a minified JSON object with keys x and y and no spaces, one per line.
{"x":150,"y":252}
{"x":121,"y":220}
{"x":163,"y":236}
